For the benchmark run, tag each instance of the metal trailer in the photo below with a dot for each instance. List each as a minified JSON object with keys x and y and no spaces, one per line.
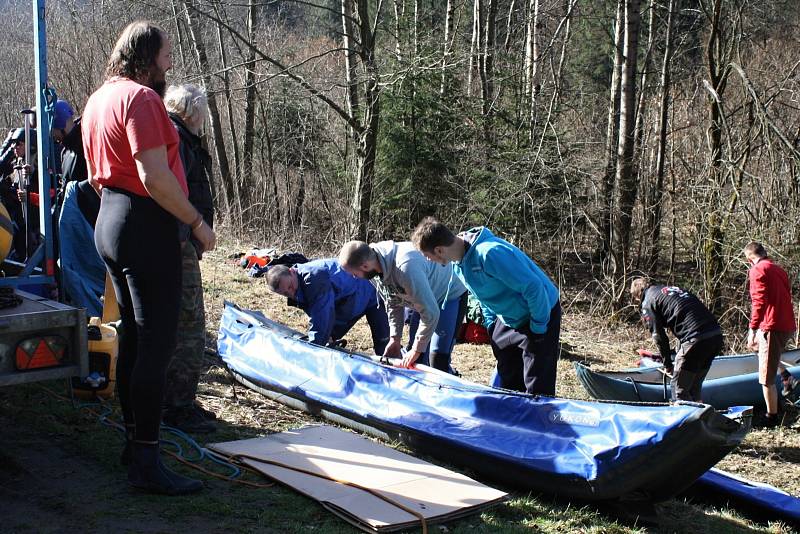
{"x":40,"y":322}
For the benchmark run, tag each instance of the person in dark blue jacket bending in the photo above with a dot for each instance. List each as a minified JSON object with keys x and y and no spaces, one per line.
{"x":333,"y":300}
{"x":520,"y":303}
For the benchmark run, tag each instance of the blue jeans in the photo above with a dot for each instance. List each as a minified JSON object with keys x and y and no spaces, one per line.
{"x":438,"y":353}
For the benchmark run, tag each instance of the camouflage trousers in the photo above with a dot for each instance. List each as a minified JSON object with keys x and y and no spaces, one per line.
{"x":188,"y":362}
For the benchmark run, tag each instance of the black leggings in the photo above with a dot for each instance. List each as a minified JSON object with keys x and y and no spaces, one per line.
{"x":138,"y":240}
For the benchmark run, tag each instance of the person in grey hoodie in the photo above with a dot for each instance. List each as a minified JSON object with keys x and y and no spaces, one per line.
{"x":405,"y":279}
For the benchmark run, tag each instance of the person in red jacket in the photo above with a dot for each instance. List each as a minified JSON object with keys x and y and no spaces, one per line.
{"x":133,"y":159}
{"x":771,"y":320}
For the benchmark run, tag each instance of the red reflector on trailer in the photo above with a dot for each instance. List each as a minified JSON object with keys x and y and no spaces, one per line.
{"x":41,"y":351}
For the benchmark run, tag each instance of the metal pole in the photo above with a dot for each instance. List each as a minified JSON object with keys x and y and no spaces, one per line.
{"x":24,"y":182}
{"x":45,"y":99}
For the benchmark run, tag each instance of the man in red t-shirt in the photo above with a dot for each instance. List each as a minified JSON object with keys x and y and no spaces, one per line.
{"x":132,"y":158}
{"x":771,"y":320}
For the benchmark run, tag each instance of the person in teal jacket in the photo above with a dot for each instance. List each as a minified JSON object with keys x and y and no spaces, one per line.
{"x":520,"y":303}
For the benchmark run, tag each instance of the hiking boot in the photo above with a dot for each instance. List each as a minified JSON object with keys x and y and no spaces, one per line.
{"x":768,"y":421}
{"x":127,"y":452}
{"x":149,"y":474}
{"x":207,"y":414}
{"x":188,"y":419}
{"x":789,"y":385}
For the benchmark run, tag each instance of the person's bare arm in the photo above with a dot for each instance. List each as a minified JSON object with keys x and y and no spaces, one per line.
{"x":162,"y":185}
{"x":94,"y":183}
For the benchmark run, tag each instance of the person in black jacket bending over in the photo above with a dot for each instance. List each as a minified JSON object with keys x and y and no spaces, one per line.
{"x":696,"y":328}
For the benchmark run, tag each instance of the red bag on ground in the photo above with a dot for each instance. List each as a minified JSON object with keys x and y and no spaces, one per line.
{"x":475,"y":333}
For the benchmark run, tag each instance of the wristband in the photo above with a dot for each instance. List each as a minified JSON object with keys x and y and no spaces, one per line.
{"x":197,"y":223}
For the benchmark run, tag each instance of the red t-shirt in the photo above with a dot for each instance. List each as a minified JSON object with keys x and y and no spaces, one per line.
{"x":121,"y":119}
{"x":771,"y":297}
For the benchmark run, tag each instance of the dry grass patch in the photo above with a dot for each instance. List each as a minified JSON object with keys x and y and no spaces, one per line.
{"x":771,"y":456}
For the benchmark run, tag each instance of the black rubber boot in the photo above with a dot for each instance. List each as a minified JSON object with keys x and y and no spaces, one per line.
{"x":188,"y":419}
{"x":127,"y":453}
{"x":208,"y":414}
{"x":147,"y":473}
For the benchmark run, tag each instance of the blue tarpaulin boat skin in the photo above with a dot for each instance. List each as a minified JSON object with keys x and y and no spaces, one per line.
{"x":731,"y":381}
{"x":588,"y":450}
{"x":775,"y":502}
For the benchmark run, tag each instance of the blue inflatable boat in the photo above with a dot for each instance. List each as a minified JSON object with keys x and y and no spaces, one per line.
{"x":731,"y":381}
{"x":769,"y":501}
{"x":589,"y":450}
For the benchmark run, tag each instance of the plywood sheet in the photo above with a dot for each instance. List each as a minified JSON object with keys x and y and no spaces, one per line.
{"x":437,"y":493}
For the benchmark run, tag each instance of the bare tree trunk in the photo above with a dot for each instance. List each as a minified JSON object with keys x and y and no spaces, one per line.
{"x":350,"y":61}
{"x":399,"y":13}
{"x":531,"y":89}
{"x":300,"y":196}
{"x":653,"y":208}
{"x":415,"y":32}
{"x":369,"y":136}
{"x":612,"y":137}
{"x":488,"y":57}
{"x":475,"y":55}
{"x":509,"y":25}
{"x":569,"y":6}
{"x":270,"y":161}
{"x":713,"y":237}
{"x":643,"y":88}
{"x":229,"y":191}
{"x":179,"y":33}
{"x":626,"y":176}
{"x":250,"y":100}
{"x":227,"y":87}
{"x":487,"y":72}
{"x":448,"y":32}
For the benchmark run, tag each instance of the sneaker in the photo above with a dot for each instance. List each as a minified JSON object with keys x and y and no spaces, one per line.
{"x":187,"y":419}
{"x":208,"y":414}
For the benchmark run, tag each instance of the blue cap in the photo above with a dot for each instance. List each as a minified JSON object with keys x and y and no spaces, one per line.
{"x":62,"y":113}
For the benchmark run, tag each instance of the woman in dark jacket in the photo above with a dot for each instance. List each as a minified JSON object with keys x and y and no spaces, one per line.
{"x":187,"y":107}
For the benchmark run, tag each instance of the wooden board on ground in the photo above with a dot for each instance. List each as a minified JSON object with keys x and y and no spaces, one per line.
{"x":436,"y":493}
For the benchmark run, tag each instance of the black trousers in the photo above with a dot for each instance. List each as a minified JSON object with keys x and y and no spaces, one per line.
{"x":692,"y":363}
{"x":527,"y":362}
{"x":138,"y":240}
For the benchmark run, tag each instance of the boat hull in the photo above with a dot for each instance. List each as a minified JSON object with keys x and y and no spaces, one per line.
{"x":579,"y":449}
{"x":731,"y":381}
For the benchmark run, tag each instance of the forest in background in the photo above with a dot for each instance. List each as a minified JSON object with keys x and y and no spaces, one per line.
{"x":605,"y":137}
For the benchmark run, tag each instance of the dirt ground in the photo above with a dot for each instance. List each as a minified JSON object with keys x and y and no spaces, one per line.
{"x":46,"y":473}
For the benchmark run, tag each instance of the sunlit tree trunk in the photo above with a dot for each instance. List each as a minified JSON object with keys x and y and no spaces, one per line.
{"x":448,"y":32}
{"x":487,"y":70}
{"x":612,"y":138}
{"x":230,"y":196}
{"x":368,"y":143}
{"x":250,"y":100}
{"x":653,"y":211}
{"x":531,"y":63}
{"x":626,"y":175}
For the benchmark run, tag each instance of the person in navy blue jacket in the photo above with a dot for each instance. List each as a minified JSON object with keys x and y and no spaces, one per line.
{"x":520,"y":303}
{"x":333,"y":300}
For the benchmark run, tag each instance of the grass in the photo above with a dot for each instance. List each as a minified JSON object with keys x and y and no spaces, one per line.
{"x":88,"y":490}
